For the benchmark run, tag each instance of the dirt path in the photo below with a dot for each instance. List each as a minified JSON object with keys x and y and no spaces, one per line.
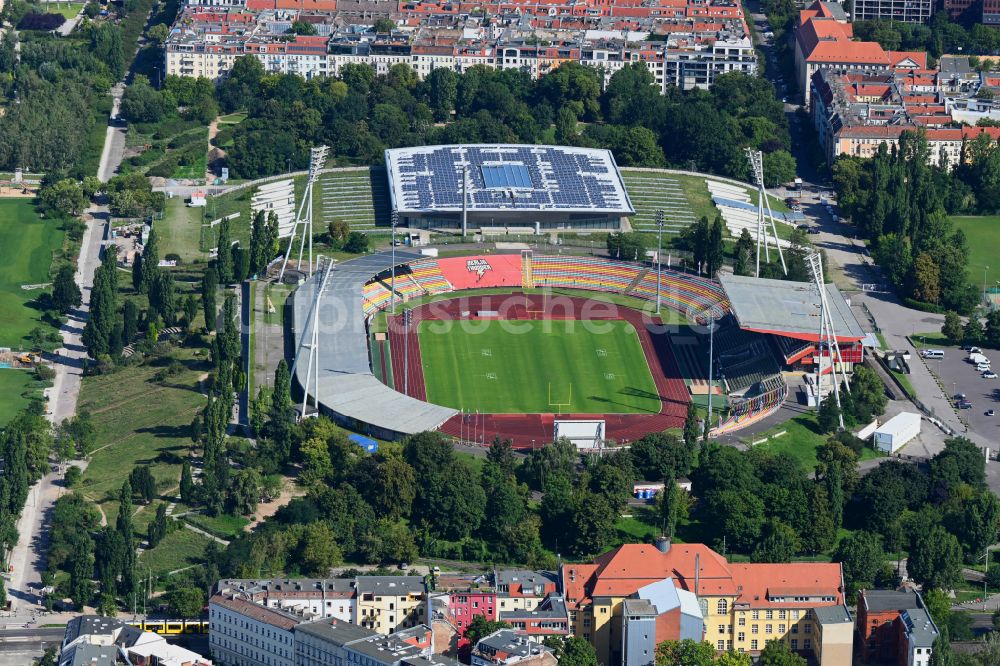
{"x":289,"y":490}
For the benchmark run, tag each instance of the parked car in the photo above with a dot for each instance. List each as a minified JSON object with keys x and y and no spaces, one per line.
{"x":989,"y":412}
{"x":989,"y":374}
{"x":964,"y":404}
{"x":959,"y":396}
{"x":813,"y":230}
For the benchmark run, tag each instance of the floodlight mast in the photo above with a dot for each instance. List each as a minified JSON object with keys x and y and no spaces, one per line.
{"x":304,"y":217}
{"x":827,"y":337}
{"x":756,"y":159}
{"x":324,"y":267}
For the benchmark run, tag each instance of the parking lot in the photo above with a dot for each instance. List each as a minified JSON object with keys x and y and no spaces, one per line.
{"x":959,"y":376}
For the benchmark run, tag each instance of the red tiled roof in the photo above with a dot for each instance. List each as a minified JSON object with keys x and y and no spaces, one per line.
{"x":759,"y":582}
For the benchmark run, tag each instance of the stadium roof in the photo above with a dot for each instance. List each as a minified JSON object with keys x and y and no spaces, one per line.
{"x":505,"y":178}
{"x":788,"y":308}
{"x":346,"y":383}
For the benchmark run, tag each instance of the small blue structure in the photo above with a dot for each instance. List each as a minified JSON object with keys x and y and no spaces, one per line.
{"x":368,"y":444}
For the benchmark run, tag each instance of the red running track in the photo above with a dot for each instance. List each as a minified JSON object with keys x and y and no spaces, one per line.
{"x":535,"y":430}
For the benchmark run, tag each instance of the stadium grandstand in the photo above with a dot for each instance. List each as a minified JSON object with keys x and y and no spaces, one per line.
{"x":523,"y":187}
{"x":359,"y":197}
{"x":764,"y":328}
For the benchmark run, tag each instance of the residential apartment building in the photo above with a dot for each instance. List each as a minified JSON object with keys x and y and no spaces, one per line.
{"x":95,"y":640}
{"x":855,"y":114}
{"x":549,"y":618}
{"x":686,"y":43}
{"x":507,"y":648}
{"x":307,"y":597}
{"x":523,"y":589}
{"x":389,"y":603}
{"x":740,"y":606}
{"x":894,"y":625}
{"x":911,"y":11}
{"x":824,"y":40}
{"x":242,"y":633}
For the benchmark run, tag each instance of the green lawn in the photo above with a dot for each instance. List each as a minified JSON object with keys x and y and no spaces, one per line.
{"x":233,"y":118}
{"x":139,"y":421}
{"x":12,"y":384}
{"x":983,"y":234}
{"x":26,"y":246}
{"x":67,"y":9}
{"x":181,"y":548}
{"x":800,"y":441}
{"x":537,"y":367}
{"x":180,"y":230}
{"x":224,"y":526}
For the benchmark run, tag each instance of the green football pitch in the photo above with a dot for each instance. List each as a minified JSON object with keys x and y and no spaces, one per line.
{"x":26,"y":246}
{"x":533,"y":367}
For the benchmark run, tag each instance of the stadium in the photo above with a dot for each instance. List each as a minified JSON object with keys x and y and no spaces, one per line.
{"x":530,"y":345}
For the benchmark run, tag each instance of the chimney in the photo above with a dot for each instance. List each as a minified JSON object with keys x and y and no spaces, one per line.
{"x":663,"y":544}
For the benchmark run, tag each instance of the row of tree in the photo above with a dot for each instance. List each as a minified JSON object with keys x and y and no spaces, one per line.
{"x":901,"y":203}
{"x":360,"y":114}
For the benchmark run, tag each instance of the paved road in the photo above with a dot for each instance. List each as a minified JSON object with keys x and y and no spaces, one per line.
{"x":28,"y":556}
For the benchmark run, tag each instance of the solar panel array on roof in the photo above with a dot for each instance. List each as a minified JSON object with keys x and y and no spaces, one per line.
{"x":506,"y":176}
{"x":503,"y":177}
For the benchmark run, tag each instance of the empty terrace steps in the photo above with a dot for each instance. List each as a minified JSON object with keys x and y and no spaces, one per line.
{"x":356,"y":196}
{"x":651,"y":191}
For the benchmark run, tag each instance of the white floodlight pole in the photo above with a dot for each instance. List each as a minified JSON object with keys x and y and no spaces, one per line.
{"x":659,"y":250}
{"x":828,"y":335}
{"x":312,"y":369}
{"x":394,"y":220}
{"x":304,"y":217}
{"x":756,"y":159}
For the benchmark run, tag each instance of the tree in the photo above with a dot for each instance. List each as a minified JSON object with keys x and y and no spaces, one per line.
{"x":685,"y":653}
{"x":98,"y":331}
{"x":941,"y":654}
{"x":577,"y":651}
{"x":630,"y":246}
{"x":150,"y":262}
{"x":659,"y":455}
{"x":671,"y":506}
{"x":384,"y":25}
{"x":828,"y":416}
{"x":925,"y":279}
{"x":224,"y":263}
{"x":778,"y":543}
{"x":777,"y":653}
{"x":481,"y":627}
{"x":303,"y":28}
{"x":356,"y":243}
{"x":714,"y":251}
{"x":63,"y":198}
{"x":141,"y":103}
{"x":861,"y":557}
{"x":935,"y":557}
{"x":952,"y":328}
{"x":318,"y":550}
{"x":692,"y":429}
{"x":742,"y":253}
{"x":187,"y":484}
{"x":972,"y":332}
{"x":209,"y":285}
{"x":592,"y":523}
{"x":731,"y":658}
{"x":281,"y":399}
{"x":185,"y":601}
{"x":159,"y":33}
{"x":158,"y":528}
{"x":142,"y":483}
{"x":65,"y":292}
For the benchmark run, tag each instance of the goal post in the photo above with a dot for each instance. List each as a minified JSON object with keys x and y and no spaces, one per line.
{"x":568,"y":395}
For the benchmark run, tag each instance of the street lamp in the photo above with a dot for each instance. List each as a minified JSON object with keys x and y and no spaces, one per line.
{"x":659,"y":250}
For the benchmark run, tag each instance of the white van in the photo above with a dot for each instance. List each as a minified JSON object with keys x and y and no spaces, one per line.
{"x":932,"y":353}
{"x":982,"y":367}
